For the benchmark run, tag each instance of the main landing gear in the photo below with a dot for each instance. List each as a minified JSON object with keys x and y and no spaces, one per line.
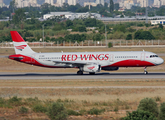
{"x":145,"y":70}
{"x":79,"y":72}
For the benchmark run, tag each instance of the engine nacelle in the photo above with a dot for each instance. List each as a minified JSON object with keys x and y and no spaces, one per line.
{"x":92,"y":68}
{"x":109,"y":68}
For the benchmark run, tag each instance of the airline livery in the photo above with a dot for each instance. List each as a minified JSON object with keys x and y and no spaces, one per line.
{"x":91,"y":62}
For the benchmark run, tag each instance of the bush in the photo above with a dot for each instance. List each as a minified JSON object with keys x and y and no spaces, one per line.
{"x":139,"y":115}
{"x":95,"y":111}
{"x":162,"y":112}
{"x":4,"y":103}
{"x":116,"y":109}
{"x":23,"y":110}
{"x":157,"y":98}
{"x":110,"y":45}
{"x":150,"y":105}
{"x":72,"y":112}
{"x":15,"y":101}
{"x":39,"y":108}
{"x":56,"y":111}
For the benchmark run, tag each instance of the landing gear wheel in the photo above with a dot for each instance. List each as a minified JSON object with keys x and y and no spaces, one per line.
{"x":92,"y":73}
{"x":79,"y":72}
{"x":145,"y":70}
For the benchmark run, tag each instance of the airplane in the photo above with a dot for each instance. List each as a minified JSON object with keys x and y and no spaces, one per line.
{"x":90,"y":62}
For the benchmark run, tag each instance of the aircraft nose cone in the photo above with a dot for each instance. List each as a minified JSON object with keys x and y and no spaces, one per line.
{"x":160,"y":61}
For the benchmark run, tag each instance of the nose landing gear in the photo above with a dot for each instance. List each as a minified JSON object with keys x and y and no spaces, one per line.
{"x":145,"y":70}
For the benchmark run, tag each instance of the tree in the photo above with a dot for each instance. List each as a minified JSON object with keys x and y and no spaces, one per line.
{"x":57,"y":27}
{"x":129,"y":37}
{"x":91,"y":22}
{"x":162,"y":111}
{"x":69,"y":23}
{"x":161,"y":26}
{"x":139,"y":115}
{"x":144,"y":35}
{"x":116,"y":6}
{"x":12,"y":6}
{"x":111,"y":6}
{"x":97,"y":37}
{"x":19,"y":16}
{"x":150,"y":105}
{"x":82,"y":29}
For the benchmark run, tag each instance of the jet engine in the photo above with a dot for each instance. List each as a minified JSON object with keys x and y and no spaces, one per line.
{"x":92,"y":68}
{"x":109,"y":68}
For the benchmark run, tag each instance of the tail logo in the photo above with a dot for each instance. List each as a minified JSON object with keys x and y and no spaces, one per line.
{"x":21,"y":47}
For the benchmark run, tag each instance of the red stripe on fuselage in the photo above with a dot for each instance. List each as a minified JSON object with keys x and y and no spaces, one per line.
{"x":132,"y":63}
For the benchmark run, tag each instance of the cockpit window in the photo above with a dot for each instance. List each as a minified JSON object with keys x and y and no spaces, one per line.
{"x":151,"y":56}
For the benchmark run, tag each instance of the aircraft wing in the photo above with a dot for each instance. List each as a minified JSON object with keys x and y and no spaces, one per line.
{"x":73,"y":63}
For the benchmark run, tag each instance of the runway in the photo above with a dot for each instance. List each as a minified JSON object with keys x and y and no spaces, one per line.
{"x":74,"y":76}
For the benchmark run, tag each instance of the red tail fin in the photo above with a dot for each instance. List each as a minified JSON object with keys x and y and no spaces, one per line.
{"x":16,"y":36}
{"x":20,"y":46}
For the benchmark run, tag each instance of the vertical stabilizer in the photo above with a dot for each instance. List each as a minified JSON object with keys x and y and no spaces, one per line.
{"x":20,"y":46}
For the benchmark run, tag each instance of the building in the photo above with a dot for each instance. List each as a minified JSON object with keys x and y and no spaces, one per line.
{"x":1,"y":3}
{"x":26,"y":3}
{"x":60,"y":3}
{"x":72,"y":2}
{"x":158,"y":3}
{"x":143,"y":3}
{"x":90,"y":3}
{"x":100,"y":2}
{"x":71,"y":16}
{"x":126,"y":4}
{"x":155,"y":22}
{"x":19,"y":3}
{"x":49,"y":2}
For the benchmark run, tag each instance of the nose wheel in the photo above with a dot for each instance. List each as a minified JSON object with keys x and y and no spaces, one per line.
{"x":145,"y":71}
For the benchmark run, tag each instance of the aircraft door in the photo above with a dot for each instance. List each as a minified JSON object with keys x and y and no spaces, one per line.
{"x":142,"y":56}
{"x":111,"y":58}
